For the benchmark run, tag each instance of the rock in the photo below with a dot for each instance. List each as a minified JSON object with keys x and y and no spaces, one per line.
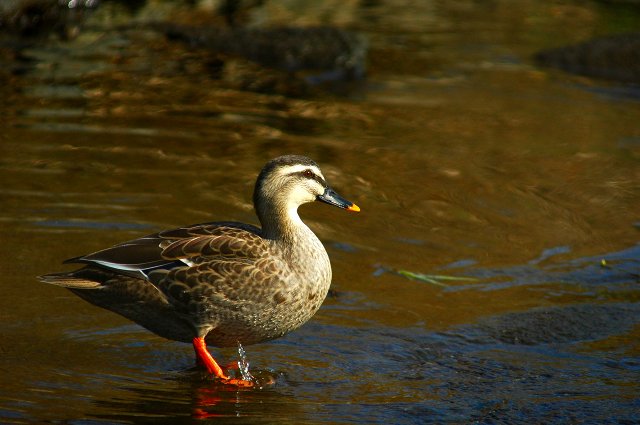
{"x":338,"y":54}
{"x":28,"y":18}
{"x":571,"y":323}
{"x":615,"y":57}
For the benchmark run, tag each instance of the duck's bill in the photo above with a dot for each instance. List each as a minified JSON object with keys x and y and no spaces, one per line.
{"x":332,"y":198}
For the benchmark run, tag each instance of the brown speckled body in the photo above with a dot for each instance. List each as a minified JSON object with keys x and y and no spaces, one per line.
{"x":226,"y":282}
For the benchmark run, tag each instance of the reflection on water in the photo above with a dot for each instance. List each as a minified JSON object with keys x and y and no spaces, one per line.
{"x":467,"y":160}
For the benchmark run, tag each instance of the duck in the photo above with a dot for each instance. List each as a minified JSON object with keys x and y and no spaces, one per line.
{"x":221,"y":283}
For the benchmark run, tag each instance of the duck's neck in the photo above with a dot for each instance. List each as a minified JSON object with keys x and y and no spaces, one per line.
{"x":282,"y":224}
{"x":304,"y":252}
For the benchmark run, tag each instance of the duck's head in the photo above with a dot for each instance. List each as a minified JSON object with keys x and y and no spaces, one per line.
{"x":289,"y":181}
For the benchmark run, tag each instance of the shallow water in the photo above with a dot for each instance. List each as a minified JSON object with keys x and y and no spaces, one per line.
{"x":466,"y":159}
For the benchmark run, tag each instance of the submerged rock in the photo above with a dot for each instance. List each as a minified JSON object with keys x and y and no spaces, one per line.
{"x":562,"y":324}
{"x":27,"y":18}
{"x":338,"y":54}
{"x":615,"y":57}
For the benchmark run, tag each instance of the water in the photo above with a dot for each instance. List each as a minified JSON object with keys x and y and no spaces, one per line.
{"x":466,"y":159}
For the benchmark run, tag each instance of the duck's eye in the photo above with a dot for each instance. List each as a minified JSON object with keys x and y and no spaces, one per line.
{"x":308,"y":174}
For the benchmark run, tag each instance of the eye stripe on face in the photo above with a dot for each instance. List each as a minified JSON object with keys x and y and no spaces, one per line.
{"x":309,"y":174}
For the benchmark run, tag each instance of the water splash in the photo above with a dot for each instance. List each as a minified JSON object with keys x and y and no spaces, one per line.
{"x":243,"y":365}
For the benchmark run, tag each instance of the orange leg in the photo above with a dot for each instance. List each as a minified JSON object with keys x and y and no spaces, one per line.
{"x":204,"y":358}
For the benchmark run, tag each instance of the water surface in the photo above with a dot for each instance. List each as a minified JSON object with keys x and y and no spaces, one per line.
{"x":466,"y":159}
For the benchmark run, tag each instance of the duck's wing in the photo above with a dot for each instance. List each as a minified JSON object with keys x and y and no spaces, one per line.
{"x":205,"y":291}
{"x":222,"y":267}
{"x":224,"y":240}
{"x":176,"y":248}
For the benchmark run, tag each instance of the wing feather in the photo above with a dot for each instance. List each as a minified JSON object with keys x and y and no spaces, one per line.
{"x":220,"y":283}
{"x":165,"y":249}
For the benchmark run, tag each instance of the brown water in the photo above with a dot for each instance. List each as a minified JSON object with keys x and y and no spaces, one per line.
{"x":465,"y":158}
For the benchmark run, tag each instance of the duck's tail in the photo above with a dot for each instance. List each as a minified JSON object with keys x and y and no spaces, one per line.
{"x":68,"y":280}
